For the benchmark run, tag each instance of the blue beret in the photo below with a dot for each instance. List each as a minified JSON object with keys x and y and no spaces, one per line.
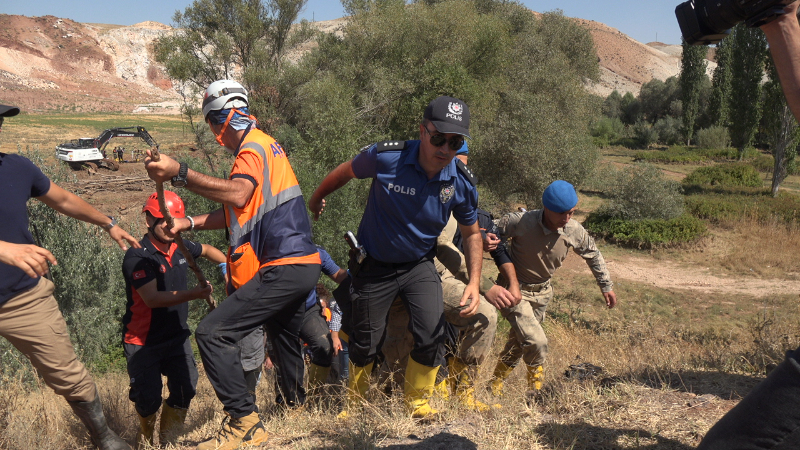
{"x":559,"y":197}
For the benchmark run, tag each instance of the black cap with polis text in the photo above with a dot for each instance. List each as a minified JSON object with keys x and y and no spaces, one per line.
{"x":8,"y":111}
{"x":448,"y":115}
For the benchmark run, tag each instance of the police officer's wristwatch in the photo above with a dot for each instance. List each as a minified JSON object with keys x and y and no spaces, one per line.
{"x":111,"y":225}
{"x":179,"y":180}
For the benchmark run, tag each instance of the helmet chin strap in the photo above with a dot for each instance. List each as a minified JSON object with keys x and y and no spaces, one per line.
{"x":152,"y":231}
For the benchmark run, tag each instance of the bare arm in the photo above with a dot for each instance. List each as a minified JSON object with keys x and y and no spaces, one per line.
{"x":213,"y":254}
{"x":337,"y":178}
{"x":212,"y":221}
{"x":234,"y":192}
{"x":339,"y":276}
{"x":73,"y":206}
{"x":154,"y":298}
{"x":510,"y":274}
{"x":783,"y":35}
{"x":473,"y":251}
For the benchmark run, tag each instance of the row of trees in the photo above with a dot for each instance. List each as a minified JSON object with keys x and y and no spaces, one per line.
{"x":522,"y":76}
{"x":743,"y":97}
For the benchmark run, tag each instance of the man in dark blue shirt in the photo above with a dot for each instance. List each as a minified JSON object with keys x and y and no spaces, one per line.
{"x":416,"y":186}
{"x":29,"y":314}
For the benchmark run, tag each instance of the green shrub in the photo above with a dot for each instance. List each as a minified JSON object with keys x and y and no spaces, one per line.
{"x":644,"y":134}
{"x":729,"y":175}
{"x":729,"y":153}
{"x":607,"y":131}
{"x":723,"y":204}
{"x":648,"y":233}
{"x":642,"y":192}
{"x":669,"y":130}
{"x":764,"y":163}
{"x":713,"y":137}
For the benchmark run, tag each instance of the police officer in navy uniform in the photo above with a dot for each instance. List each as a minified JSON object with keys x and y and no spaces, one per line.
{"x":416,"y":186}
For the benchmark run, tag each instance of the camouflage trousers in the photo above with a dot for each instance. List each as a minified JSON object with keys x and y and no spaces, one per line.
{"x":475,"y":337}
{"x":526,"y":339}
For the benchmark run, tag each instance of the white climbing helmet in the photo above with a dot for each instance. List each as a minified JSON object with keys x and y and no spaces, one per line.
{"x":224,"y":94}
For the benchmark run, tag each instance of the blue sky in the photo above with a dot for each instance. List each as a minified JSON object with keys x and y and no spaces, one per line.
{"x":644,"y":21}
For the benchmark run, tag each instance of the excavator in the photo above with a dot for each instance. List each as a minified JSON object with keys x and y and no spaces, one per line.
{"x":88,"y":152}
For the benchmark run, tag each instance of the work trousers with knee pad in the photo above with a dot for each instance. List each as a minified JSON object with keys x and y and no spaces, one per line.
{"x":274,"y":297}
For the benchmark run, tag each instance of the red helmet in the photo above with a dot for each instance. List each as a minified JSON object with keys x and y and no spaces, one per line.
{"x":174,"y":205}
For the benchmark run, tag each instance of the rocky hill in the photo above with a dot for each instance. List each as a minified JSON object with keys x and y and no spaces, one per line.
{"x":53,"y":64}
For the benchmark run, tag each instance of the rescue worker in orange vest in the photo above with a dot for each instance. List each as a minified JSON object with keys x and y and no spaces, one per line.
{"x":272,"y":261}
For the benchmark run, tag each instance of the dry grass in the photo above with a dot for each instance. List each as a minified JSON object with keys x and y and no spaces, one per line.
{"x":666,"y":380}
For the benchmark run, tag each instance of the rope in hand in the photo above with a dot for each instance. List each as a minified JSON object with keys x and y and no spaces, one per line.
{"x":162,"y":205}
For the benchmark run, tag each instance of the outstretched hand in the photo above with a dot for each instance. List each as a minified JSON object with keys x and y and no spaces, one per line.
{"x":120,"y":236}
{"x":316,"y":206}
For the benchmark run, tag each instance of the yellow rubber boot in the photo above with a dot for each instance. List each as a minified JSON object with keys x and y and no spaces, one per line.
{"x":358,"y":384}
{"x":535,"y":380}
{"x":316,"y":378}
{"x":147,"y":426}
{"x":172,"y":420}
{"x":245,"y":431}
{"x":501,"y":372}
{"x":442,"y":389}
{"x":464,"y":387}
{"x":418,"y":389}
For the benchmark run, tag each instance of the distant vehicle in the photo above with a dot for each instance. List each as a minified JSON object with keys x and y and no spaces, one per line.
{"x":88,"y":152}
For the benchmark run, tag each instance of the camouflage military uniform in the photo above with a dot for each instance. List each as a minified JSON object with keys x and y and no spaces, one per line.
{"x":537,"y":253}
{"x":476,"y":333}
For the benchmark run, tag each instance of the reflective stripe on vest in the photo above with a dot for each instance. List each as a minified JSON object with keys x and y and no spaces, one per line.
{"x":270,"y":201}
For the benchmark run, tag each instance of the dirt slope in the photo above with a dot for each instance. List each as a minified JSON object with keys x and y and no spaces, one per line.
{"x":47,"y":63}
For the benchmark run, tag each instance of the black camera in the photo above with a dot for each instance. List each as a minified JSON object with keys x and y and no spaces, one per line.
{"x":705,"y":22}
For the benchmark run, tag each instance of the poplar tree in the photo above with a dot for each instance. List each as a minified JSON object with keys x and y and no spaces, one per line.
{"x":721,"y":85}
{"x":748,"y":51}
{"x":693,"y":74}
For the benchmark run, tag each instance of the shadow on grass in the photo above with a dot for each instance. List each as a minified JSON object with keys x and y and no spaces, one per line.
{"x":439,"y":441}
{"x":582,"y":436}
{"x":726,"y":386}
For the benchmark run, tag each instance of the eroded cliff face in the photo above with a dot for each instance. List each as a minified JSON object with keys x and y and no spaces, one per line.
{"x":48,"y":63}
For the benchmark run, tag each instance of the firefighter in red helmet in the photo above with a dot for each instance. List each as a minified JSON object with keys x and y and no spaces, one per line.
{"x":155,"y":332}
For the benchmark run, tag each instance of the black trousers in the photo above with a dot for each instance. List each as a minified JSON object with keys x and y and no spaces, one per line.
{"x":275,"y":297}
{"x":374,"y":289}
{"x":767,"y":418}
{"x":146,"y":364}
{"x":317,"y":335}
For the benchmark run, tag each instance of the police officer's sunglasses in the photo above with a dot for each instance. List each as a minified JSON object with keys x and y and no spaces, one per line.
{"x":438,"y":140}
